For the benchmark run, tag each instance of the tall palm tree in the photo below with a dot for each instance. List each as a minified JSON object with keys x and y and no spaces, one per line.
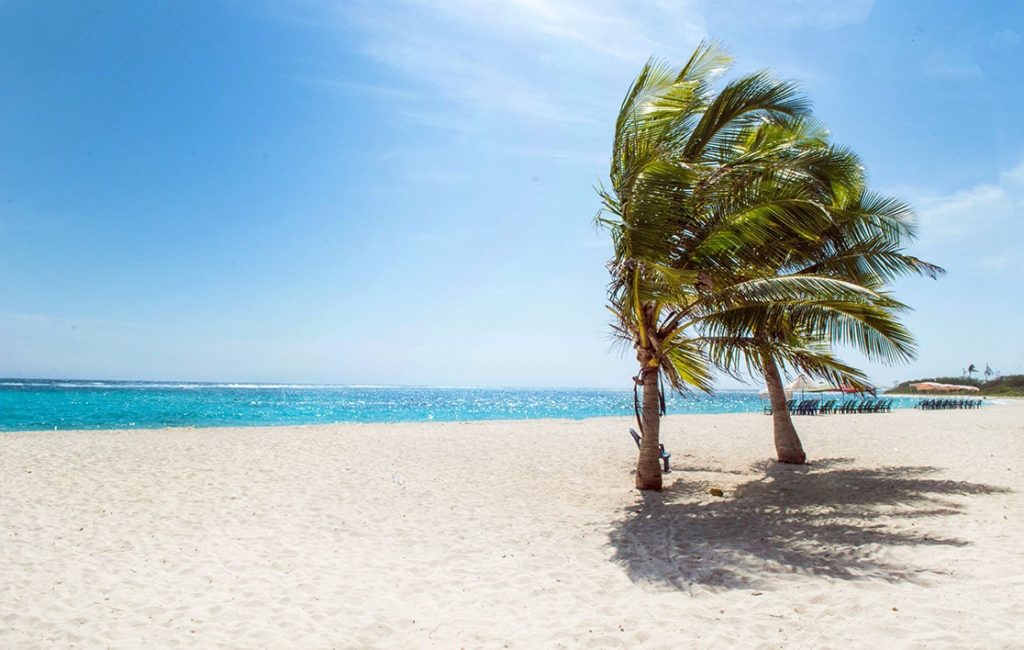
{"x":852,"y":237}
{"x":711,"y":193}
{"x":864,"y":246}
{"x":704,"y":187}
{"x":858,"y":243}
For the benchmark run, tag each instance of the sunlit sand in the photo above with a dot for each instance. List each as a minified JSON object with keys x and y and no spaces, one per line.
{"x":905,"y":529}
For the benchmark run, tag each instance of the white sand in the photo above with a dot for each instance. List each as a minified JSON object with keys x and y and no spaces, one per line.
{"x":907,"y":531}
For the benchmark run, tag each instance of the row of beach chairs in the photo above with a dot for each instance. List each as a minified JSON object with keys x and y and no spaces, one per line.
{"x":936,"y":404}
{"x":817,"y":407}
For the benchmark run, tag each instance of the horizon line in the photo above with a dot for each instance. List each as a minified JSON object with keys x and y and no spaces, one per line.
{"x":287,"y":384}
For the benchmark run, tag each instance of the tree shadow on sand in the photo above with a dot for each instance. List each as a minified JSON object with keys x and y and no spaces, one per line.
{"x":821,"y":519}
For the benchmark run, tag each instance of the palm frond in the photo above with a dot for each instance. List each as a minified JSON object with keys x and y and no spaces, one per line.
{"x":743,"y":101}
{"x":741,"y":233}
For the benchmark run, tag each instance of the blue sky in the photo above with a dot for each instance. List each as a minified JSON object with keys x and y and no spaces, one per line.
{"x":401,"y":192}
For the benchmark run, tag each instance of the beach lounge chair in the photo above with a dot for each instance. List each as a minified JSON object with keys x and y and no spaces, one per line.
{"x":808,"y":407}
{"x":664,"y":454}
{"x":790,"y":405}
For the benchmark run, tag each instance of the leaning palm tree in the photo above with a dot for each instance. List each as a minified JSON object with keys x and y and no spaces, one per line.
{"x":704,"y":187}
{"x":862,"y":246}
{"x":711,"y":192}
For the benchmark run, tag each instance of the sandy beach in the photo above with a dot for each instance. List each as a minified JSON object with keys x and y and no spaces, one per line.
{"x":905,"y":531}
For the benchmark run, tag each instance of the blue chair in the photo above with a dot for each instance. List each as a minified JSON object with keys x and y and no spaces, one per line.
{"x":664,"y":454}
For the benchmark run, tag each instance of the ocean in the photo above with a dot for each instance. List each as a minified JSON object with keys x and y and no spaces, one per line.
{"x":37,"y":404}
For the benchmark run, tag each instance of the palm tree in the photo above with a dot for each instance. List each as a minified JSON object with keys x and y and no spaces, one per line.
{"x":970,"y":371}
{"x":708,"y":192}
{"x":846,"y":235}
{"x":703,"y":189}
{"x":863,"y":246}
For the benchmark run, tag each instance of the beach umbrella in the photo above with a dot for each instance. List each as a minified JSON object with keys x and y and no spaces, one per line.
{"x":801,"y":383}
{"x":764,"y":393}
{"x":822,"y":387}
{"x":928,"y":386}
{"x":850,"y":390}
{"x":934,"y":386}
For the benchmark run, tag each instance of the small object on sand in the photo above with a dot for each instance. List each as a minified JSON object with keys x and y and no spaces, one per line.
{"x":716,"y":492}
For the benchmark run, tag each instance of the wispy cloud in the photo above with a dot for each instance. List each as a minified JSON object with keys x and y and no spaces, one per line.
{"x":537,"y":78}
{"x":601,"y":27}
{"x":1006,"y":39}
{"x":356,"y":88}
{"x":985,"y":206}
{"x":975,"y":222}
{"x":547,"y":60}
{"x":824,"y":13}
{"x":533,"y":60}
{"x":950,"y":216}
{"x":574,"y":155}
{"x":952,"y":64}
{"x":425,"y":167}
{"x":1001,"y":262}
{"x":797,"y":14}
{"x":427,"y":238}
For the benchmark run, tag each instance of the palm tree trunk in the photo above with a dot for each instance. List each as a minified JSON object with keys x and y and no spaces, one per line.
{"x":648,"y":464}
{"x":787,"y":442}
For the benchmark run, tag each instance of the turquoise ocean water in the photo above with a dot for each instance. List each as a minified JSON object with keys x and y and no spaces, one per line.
{"x":34,"y":404}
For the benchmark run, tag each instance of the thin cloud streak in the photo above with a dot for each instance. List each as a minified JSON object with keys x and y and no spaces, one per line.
{"x":581,"y":156}
{"x":484,"y":58}
{"x":966,"y":222}
{"x":356,"y":88}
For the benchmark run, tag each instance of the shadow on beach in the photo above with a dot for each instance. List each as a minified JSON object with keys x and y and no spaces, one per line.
{"x":821,"y":519}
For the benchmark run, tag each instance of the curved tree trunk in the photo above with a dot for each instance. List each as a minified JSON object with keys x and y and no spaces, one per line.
{"x":648,"y":464}
{"x":787,"y":442}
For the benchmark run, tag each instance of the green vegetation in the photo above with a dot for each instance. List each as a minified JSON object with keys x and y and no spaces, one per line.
{"x":1006,"y":386}
{"x":744,"y":241}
